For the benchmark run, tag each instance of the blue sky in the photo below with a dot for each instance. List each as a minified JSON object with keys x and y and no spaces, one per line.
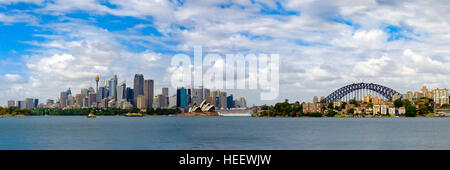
{"x":47,"y":46}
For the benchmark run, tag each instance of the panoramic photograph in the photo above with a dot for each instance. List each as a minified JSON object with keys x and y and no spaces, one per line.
{"x":224,"y":75}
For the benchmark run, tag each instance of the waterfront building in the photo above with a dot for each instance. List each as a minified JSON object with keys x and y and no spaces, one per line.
{"x":383,"y":109}
{"x":315,"y":99}
{"x":312,"y":107}
{"x":440,"y":96}
{"x":101,"y":94}
{"x":70,"y":100}
{"x":138,"y":87}
{"x":197,"y":95}
{"x":392,"y":111}
{"x":63,"y":100}
{"x":79,"y":100}
{"x":367,"y":98}
{"x":92,"y":100}
{"x":181,"y":97}
{"x":206,"y":93}
{"x":113,"y":87}
{"x":223,"y":100}
{"x":104,"y":103}
{"x":21,"y":104}
{"x":230,"y":102}
{"x":148,"y":92}
{"x":11,"y":103}
{"x":401,"y":110}
{"x":214,"y":95}
{"x":29,"y":103}
{"x":36,"y":103}
{"x":376,"y":109}
{"x":129,"y":95}
{"x":426,"y":93}
{"x":122,"y":91}
{"x":141,"y":102}
{"x":377,"y":101}
{"x":165,"y":93}
{"x":173,"y":101}
{"x":158,"y":101}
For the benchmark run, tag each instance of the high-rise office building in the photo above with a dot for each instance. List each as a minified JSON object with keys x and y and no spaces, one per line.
{"x":197,"y":95}
{"x":11,"y":103}
{"x":165,"y":93}
{"x":138,"y":87}
{"x":85,"y":91}
{"x":21,"y":104}
{"x":181,"y":97}
{"x":206,"y":93}
{"x":36,"y":103}
{"x":172,"y":101}
{"x":121,"y":92}
{"x":29,"y":103}
{"x":92,"y":100}
{"x":440,"y":96}
{"x":148,"y":92}
{"x":214,"y":95}
{"x":223,"y":100}
{"x":63,"y":100}
{"x":113,"y":87}
{"x":79,"y":99}
{"x":101,"y":94}
{"x":129,"y":95}
{"x":230,"y":102}
{"x":141,"y":102}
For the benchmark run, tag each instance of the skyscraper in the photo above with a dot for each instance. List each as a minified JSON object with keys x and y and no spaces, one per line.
{"x":141,"y":102}
{"x":181,"y":97}
{"x":121,"y":92}
{"x":11,"y":103}
{"x":138,"y":87}
{"x":113,"y":87}
{"x":36,"y":103}
{"x":230,"y":102}
{"x":165,"y":93}
{"x":101,"y":93}
{"x":148,"y":92}
{"x":29,"y":103}
{"x":85,"y":91}
{"x":223,"y":100}
{"x":92,"y":99}
{"x":129,"y":95}
{"x":63,"y":100}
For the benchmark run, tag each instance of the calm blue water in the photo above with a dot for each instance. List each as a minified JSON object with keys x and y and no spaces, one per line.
{"x":78,"y":132}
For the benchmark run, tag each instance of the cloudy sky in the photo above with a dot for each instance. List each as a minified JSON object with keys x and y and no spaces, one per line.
{"x":47,"y":46}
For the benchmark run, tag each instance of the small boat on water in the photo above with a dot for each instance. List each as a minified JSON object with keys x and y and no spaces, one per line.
{"x":134,"y":115}
{"x":90,"y":115}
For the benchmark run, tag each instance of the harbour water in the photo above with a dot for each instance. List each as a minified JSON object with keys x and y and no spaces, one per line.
{"x":166,"y":132}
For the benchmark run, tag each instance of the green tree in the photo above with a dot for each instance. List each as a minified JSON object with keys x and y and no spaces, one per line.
{"x":411,"y":111}
{"x":423,"y":109}
{"x":398,"y":103}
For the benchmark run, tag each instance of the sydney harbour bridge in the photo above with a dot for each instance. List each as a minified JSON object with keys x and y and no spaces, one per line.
{"x":358,"y":90}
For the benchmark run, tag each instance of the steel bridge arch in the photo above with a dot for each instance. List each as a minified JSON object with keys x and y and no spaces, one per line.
{"x":343,"y":91}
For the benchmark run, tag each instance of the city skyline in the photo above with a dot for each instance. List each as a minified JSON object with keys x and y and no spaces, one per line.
{"x":50,"y":46}
{"x":142,"y":96}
